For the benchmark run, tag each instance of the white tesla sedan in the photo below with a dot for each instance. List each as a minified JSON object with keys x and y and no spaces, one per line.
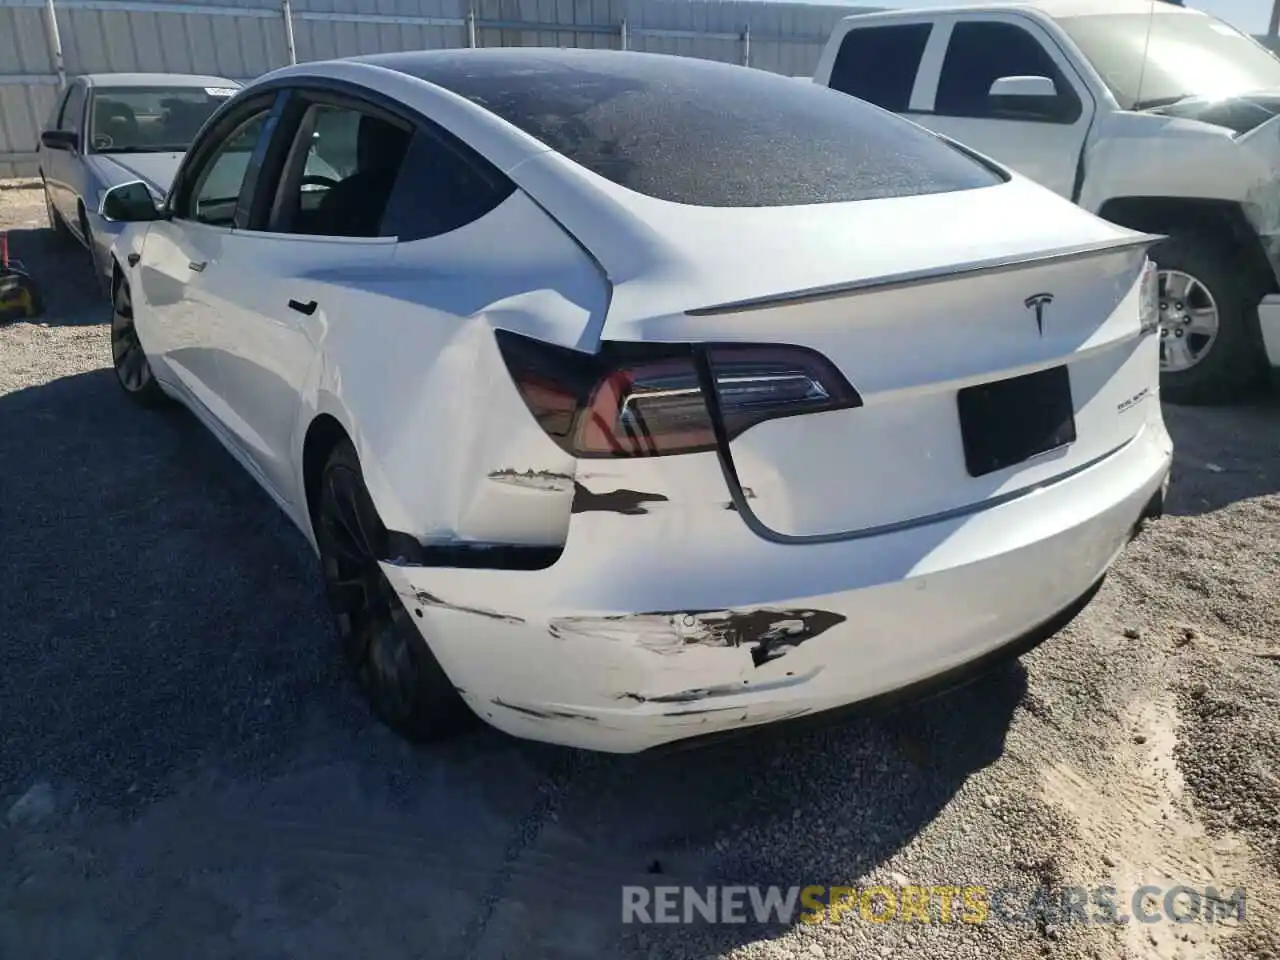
{"x":629,"y":398}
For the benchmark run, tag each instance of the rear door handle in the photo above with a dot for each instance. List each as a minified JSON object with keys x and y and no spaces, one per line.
{"x":306,"y":309}
{"x":197,"y":267}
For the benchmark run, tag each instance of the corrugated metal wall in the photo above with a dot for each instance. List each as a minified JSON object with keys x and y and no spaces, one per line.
{"x":244,"y":38}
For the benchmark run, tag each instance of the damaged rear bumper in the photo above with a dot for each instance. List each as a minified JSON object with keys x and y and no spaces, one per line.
{"x":679,"y":622}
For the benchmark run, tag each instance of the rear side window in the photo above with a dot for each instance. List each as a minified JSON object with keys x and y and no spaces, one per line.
{"x":979,"y":54}
{"x":442,"y":186}
{"x":702,"y":133}
{"x":879,"y":64}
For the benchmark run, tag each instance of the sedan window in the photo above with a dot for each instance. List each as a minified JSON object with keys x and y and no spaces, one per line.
{"x":343,"y":168}
{"x":217,"y":190}
{"x":150,"y":119}
{"x":72,"y":109}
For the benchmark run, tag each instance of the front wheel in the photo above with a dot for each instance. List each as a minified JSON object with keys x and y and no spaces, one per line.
{"x":401,"y":679}
{"x":1209,"y":347}
{"x":133,"y":369}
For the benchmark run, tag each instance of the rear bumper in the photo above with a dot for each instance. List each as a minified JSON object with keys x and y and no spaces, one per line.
{"x":1269,"y":321}
{"x":660,"y":626}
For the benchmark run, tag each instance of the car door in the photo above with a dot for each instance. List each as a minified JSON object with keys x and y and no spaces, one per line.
{"x":61,"y":172}
{"x":300,"y":260}
{"x":48,"y":155}
{"x":183,"y":275}
{"x":1040,"y":137}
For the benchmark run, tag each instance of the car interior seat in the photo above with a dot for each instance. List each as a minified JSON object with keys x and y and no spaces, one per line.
{"x":116,"y":120}
{"x":182,"y":121}
{"x":354,"y":206}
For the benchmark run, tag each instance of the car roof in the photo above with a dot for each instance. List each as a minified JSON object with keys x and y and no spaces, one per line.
{"x":452,"y":68}
{"x":154,"y":80}
{"x":1055,"y":9}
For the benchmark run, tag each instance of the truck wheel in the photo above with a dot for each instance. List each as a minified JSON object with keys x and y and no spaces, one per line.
{"x":1209,"y":348}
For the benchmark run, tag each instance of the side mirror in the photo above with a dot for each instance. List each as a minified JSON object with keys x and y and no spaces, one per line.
{"x":1040,"y":87}
{"x":129,"y":203}
{"x":61,"y":139}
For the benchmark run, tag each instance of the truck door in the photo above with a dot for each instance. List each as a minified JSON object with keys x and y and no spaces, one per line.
{"x":1039,"y":136}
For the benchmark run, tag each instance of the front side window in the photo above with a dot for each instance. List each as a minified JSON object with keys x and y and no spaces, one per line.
{"x":703,"y":133}
{"x":982,"y":52}
{"x":1150,"y":60}
{"x":879,"y":64}
{"x":341,"y":172}
{"x":216,"y":192}
{"x":72,"y":109}
{"x":150,"y":119}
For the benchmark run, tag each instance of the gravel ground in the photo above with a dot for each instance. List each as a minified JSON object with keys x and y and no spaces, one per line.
{"x":185,"y":770}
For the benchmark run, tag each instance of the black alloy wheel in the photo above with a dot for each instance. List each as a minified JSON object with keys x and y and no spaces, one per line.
{"x":399,"y":676}
{"x":133,"y":370}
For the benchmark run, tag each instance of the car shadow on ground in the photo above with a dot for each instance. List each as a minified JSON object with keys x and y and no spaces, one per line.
{"x":63,"y":272}
{"x":1223,"y":455}
{"x":167,"y":665}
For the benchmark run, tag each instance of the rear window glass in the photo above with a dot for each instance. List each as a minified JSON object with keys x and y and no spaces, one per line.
{"x":702,"y":133}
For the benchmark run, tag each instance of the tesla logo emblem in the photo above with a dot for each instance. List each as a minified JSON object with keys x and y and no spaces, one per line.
{"x":1037,"y":302}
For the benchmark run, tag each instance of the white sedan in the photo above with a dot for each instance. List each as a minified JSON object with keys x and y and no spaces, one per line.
{"x":630,"y":398}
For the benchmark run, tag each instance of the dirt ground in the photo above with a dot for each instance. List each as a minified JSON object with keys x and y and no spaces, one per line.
{"x":185,"y":770}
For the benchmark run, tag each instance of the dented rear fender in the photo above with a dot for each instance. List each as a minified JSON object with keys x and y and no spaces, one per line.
{"x":449,"y":450}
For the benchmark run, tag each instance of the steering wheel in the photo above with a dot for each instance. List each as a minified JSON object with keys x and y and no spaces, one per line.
{"x":316,"y":180}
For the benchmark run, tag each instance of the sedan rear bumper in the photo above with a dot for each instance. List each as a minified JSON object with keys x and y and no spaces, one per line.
{"x":650,"y":629}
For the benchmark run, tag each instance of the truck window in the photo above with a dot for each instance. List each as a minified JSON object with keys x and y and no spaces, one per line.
{"x":1187,"y":54}
{"x":981,"y":52}
{"x":879,"y":64}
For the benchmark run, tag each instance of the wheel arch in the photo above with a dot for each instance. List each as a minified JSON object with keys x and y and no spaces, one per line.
{"x":1223,"y":218}
{"x":323,"y":434}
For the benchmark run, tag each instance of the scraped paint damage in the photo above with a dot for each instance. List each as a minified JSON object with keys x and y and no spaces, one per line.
{"x":547,"y":481}
{"x":627,"y":502}
{"x":768,"y":633}
{"x":543,"y":713}
{"x":424,"y":599}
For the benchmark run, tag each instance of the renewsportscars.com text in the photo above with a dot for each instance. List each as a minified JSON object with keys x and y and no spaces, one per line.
{"x":930,"y":904}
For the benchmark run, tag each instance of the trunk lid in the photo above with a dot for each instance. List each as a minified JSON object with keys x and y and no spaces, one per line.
{"x":993,"y":336}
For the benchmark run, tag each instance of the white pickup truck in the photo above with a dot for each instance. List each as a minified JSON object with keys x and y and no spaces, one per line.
{"x":1150,"y":115}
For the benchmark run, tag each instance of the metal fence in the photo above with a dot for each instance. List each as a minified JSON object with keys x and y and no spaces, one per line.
{"x":44,"y":41}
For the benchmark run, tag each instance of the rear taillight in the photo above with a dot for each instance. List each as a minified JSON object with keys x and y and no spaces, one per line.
{"x":646,"y":400}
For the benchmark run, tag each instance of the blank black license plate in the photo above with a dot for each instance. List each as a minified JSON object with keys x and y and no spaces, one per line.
{"x":1009,"y":421}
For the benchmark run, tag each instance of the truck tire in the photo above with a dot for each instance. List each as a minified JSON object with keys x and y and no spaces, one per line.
{"x":1210,"y":349}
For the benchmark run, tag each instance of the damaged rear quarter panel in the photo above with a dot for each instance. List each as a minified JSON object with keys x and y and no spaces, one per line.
{"x":687,"y":630}
{"x":448,"y":448}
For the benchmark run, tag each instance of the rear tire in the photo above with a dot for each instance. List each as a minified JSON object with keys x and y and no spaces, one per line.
{"x":403,"y":682}
{"x":133,"y":369}
{"x":1196,"y":367}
